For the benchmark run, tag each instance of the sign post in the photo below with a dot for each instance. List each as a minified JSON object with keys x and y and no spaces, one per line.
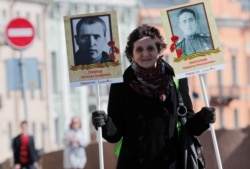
{"x":19,"y":35}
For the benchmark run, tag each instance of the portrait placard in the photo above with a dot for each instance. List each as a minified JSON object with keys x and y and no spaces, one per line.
{"x":192,"y":35}
{"x":93,"y":51}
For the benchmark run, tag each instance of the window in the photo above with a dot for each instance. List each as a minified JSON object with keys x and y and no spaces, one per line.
{"x":38,"y":26}
{"x":43,"y":130}
{"x":248,"y":70}
{"x":32,"y":94}
{"x":57,"y":129}
{"x":81,"y":7}
{"x":234,"y":71}
{"x":101,"y":8}
{"x":40,"y":82}
{"x":236,"y":118}
{"x":34,"y":130}
{"x":10,"y":133}
{"x":17,"y":13}
{"x":54,"y":72}
{"x":27,"y":15}
{"x":4,"y":15}
{"x":221,"y":117}
{"x":219,"y":78}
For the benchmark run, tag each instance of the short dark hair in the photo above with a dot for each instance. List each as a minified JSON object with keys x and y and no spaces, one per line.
{"x":144,"y":31}
{"x":186,"y":10}
{"x":91,"y":20}
{"x":23,"y":122}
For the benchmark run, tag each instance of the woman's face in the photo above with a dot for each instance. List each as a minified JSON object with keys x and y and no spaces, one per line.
{"x":145,"y":53}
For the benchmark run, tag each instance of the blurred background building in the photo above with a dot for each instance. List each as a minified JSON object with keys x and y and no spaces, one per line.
{"x":50,"y":106}
{"x":48,"y":101}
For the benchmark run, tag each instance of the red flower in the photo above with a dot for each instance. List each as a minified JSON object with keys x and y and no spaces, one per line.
{"x":116,"y":50}
{"x":112,"y":56}
{"x":113,"y":49}
{"x":174,"y":38}
{"x":172,"y":47}
{"x":111,"y":43}
{"x":179,"y":52}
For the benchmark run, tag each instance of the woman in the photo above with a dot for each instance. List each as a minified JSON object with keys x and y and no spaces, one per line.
{"x":75,"y":144}
{"x":142,"y":109}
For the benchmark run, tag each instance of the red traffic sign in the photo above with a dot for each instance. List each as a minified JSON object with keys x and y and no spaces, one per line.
{"x":19,"y":33}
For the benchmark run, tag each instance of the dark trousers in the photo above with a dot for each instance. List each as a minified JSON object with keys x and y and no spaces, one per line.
{"x":27,"y":166}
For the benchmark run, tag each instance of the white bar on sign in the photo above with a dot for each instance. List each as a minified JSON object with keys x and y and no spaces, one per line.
{"x":20,"y":32}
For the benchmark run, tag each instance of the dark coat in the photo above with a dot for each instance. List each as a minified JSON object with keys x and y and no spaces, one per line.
{"x":16,"y":146}
{"x":147,"y":125}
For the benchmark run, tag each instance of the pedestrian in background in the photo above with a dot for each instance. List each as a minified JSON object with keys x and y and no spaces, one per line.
{"x":142,"y":110}
{"x":74,"y":155}
{"x":24,"y":151}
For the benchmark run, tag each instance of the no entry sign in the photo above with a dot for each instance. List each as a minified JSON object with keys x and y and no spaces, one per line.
{"x":19,"y":33}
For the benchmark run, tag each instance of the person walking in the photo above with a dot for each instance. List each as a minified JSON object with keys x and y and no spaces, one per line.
{"x":74,"y":155}
{"x":24,"y":151}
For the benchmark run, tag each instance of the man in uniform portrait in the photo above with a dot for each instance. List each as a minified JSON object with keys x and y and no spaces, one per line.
{"x":194,"y":41}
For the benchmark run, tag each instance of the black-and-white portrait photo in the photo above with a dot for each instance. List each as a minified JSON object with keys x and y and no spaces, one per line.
{"x":90,"y":37}
{"x":190,"y":24}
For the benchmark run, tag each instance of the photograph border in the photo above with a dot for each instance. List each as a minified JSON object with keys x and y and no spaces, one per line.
{"x":89,"y":74}
{"x":199,"y":62}
{"x":73,"y":28}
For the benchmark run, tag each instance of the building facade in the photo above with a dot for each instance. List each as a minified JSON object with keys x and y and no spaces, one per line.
{"x":32,"y":104}
{"x":49,"y":107}
{"x":229,"y":88}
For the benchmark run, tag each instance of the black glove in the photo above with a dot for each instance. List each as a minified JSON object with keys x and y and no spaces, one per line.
{"x":99,"y":118}
{"x":207,"y":114}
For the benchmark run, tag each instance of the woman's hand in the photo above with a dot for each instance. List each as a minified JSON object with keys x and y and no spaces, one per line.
{"x":99,"y":118}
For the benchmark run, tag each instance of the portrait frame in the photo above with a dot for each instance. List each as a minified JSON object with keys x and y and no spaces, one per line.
{"x":199,"y":62}
{"x":94,"y":73}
